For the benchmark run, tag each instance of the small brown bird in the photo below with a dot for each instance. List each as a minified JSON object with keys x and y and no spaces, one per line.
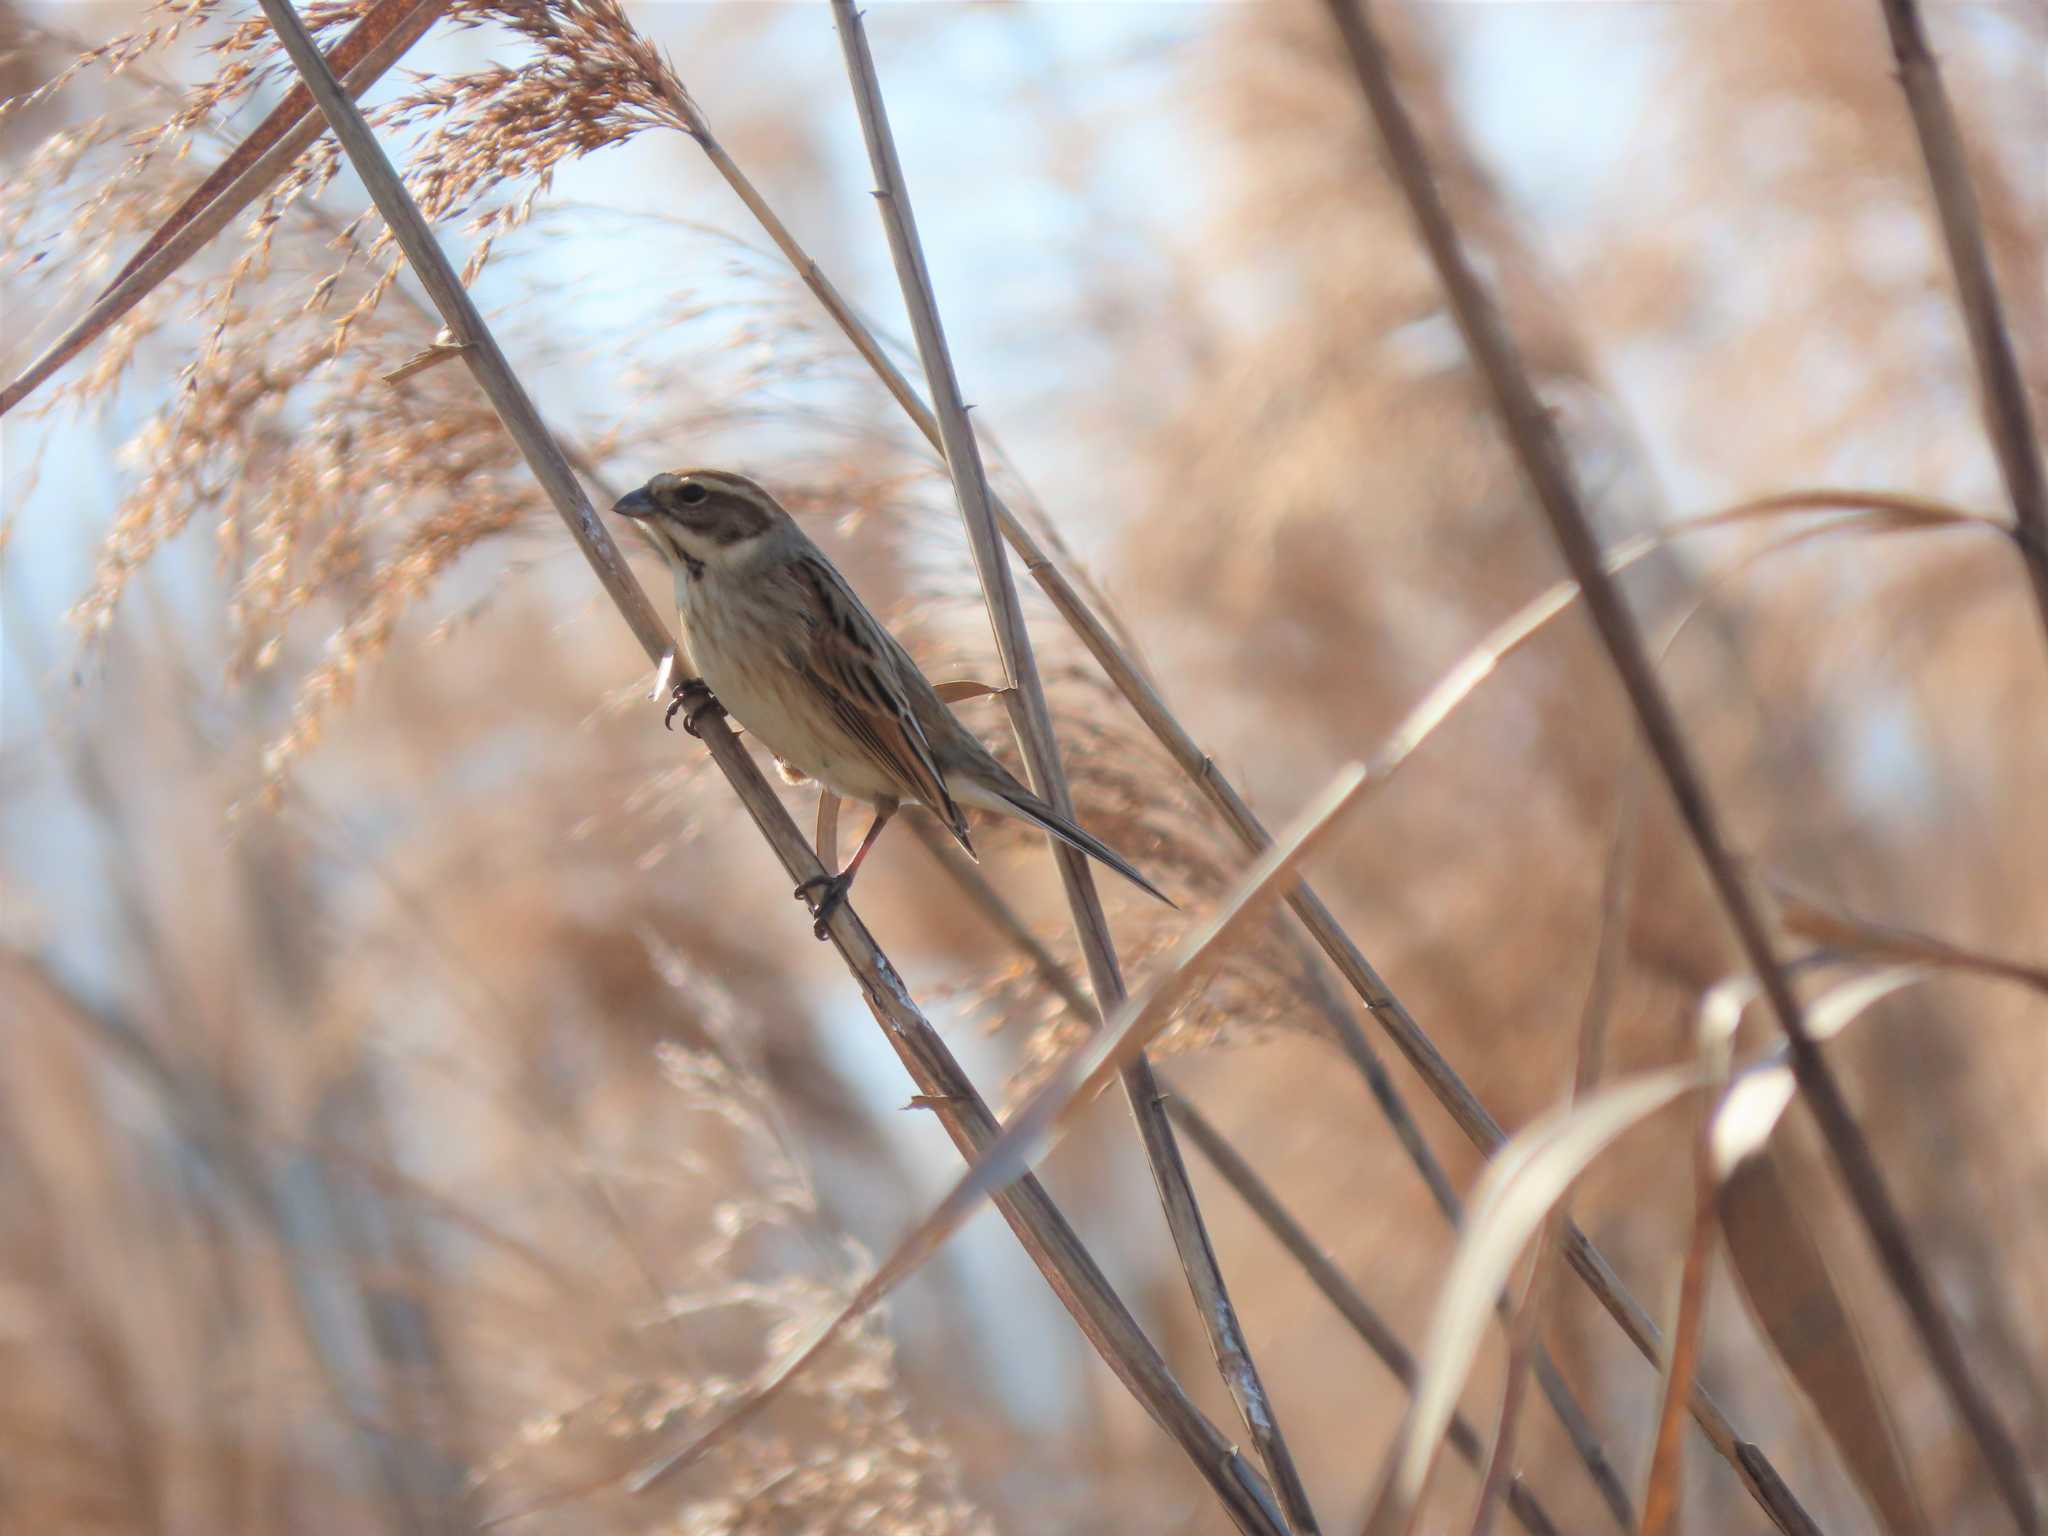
{"x":787,"y":649}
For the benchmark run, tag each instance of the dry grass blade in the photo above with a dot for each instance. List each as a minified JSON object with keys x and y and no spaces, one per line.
{"x":1875,"y":513}
{"x":963,"y":688}
{"x":1750,"y":1110}
{"x":1364,"y":1319}
{"x":1519,"y":1189}
{"x":1073,"y":1083}
{"x":1032,"y":720}
{"x":1662,"y":1488}
{"x":2003,"y":391}
{"x":1322,"y":1271}
{"x":1784,"y":1281}
{"x":1880,"y":941}
{"x":1870,"y":512}
{"x":1783,"y":1276}
{"x":1131,"y":680}
{"x":1044,"y":1232}
{"x":379,"y":39}
{"x":1886,"y":511}
{"x":487,"y":362}
{"x":1540,"y":452}
{"x":370,"y":49}
{"x":1720,"y":1016}
{"x":1525,"y":1324}
{"x":442,"y":351}
{"x":1436,"y":707}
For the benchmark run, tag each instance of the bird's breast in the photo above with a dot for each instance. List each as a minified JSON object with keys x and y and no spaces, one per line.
{"x":742,"y":652}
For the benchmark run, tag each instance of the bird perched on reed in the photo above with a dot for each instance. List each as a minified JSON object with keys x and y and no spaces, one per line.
{"x":782,"y":644}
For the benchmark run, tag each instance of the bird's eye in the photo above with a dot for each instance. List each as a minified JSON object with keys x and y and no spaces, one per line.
{"x":691,"y":493}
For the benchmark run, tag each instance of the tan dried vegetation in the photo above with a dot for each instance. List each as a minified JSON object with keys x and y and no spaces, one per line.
{"x":433,"y":1147}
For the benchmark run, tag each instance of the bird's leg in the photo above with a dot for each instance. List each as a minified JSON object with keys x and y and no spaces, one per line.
{"x":693,"y":694}
{"x":831,"y":889}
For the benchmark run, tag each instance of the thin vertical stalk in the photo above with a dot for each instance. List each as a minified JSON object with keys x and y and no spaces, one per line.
{"x":2001,"y":392}
{"x":1537,"y":446}
{"x":1131,"y":680}
{"x":1032,"y":720}
{"x":1525,"y":1329}
{"x":1450,"y":1090}
{"x":1052,"y":1243}
{"x":1663,"y":1486}
{"x":1259,"y":1197}
{"x":1571,"y":1417}
{"x":1365,"y":1320}
{"x":1290,"y":1234}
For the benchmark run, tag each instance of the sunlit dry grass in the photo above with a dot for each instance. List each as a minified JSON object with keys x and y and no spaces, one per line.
{"x":438,"y":1220}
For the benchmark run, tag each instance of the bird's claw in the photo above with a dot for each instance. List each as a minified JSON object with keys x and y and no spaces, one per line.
{"x":832,"y":891}
{"x":694,"y":696}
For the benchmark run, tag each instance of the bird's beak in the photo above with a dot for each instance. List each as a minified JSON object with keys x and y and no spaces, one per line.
{"x":635,"y":504}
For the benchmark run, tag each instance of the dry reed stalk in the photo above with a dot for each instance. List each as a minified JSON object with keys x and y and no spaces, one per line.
{"x":1379,"y":1000}
{"x":1032,"y":721}
{"x":1534,"y":438}
{"x":1497,"y":1471}
{"x":1338,"y":1290}
{"x":1784,"y":1282}
{"x":1471,"y":1116}
{"x":1436,"y":706}
{"x":377,"y":42}
{"x":332,"y":1321}
{"x":1720,"y":1017}
{"x":1525,"y":1349}
{"x":1856,"y":935}
{"x":1076,"y":1080}
{"x":1369,"y":1074}
{"x":2008,"y":419}
{"x":1378,"y":1335}
{"x":1663,"y":1486}
{"x":1078,"y":1075}
{"x":1516,"y":1194}
{"x":1044,"y":1232}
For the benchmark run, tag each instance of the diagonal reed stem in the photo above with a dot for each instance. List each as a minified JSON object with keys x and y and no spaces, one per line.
{"x":1571,"y":1417}
{"x":1133,"y":682}
{"x":1365,"y":1320}
{"x":379,"y":41}
{"x":2001,"y":392}
{"x":1258,"y":1196}
{"x":1032,"y":719}
{"x":1045,"y":1234}
{"x":1537,"y":446}
{"x":1471,"y":1116}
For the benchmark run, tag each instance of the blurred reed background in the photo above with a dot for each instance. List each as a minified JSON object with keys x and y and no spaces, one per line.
{"x":422,"y":1095}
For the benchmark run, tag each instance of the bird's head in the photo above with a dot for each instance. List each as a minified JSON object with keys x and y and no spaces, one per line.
{"x":704,"y":517}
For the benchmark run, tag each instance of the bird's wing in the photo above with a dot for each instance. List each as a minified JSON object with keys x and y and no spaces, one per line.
{"x":840,"y":659}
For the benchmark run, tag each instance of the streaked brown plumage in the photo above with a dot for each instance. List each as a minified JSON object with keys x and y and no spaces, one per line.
{"x":793,"y":654}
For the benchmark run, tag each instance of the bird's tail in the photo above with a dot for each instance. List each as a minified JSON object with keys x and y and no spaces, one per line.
{"x":1015,"y":800}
